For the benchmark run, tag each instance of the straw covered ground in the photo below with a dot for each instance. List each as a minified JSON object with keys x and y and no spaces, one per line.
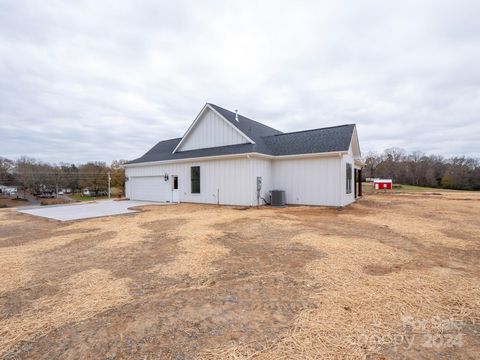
{"x":392,"y":276}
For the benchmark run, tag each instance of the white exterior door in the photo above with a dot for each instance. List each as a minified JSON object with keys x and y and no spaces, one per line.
{"x":175,"y":196}
{"x":149,"y":188}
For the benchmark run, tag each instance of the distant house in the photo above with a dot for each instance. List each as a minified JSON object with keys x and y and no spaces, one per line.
{"x":8,"y":190}
{"x":224,"y":157}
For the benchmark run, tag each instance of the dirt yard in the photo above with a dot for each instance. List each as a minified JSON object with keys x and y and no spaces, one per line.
{"x":393,"y":276}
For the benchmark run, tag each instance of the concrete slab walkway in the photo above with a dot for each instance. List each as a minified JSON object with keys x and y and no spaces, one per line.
{"x":88,"y":210}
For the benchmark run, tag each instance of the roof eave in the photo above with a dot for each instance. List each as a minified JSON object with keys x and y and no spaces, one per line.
{"x":240,"y":155}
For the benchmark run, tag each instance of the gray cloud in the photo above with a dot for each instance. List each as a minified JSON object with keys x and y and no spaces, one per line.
{"x":89,"y":80}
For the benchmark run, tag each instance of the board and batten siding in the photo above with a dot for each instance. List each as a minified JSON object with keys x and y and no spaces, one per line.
{"x":211,"y":131}
{"x":228,"y":181}
{"x":309,"y":181}
{"x":306,"y":181}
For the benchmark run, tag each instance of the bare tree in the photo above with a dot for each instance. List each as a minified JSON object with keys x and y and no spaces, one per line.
{"x":93,"y":175}
{"x":118,"y":174}
{"x":6,"y":171}
{"x":372,"y":160}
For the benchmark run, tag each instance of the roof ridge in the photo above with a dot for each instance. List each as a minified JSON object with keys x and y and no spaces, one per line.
{"x":255,"y":121}
{"x":177,"y":138}
{"x":316,"y":129}
{"x":233,"y":113}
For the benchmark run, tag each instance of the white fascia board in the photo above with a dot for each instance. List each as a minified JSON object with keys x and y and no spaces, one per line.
{"x":243,"y":155}
{"x":312,"y":155}
{"x":203,"y":158}
{"x":190,"y":128}
{"x":354,"y":140}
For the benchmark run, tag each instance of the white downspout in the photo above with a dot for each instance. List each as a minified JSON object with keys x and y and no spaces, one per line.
{"x":340,"y":182}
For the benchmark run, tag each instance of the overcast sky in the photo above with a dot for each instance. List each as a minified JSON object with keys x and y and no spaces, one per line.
{"x":104,"y":80}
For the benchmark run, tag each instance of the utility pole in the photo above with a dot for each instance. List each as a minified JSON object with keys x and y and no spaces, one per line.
{"x":109,"y":179}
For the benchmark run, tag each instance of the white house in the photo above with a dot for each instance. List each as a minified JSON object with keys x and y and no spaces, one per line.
{"x":224,"y":156}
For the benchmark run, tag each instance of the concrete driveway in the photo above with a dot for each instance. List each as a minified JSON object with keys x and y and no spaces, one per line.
{"x":79,"y":211}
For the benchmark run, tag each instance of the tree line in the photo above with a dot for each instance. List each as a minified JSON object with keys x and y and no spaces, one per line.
{"x":34,"y":176}
{"x":417,"y":168}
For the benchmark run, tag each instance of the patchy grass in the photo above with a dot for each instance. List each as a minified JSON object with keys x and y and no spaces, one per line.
{"x":55,"y":201}
{"x":198,"y":281}
{"x":80,"y":197}
{"x":401,"y":187}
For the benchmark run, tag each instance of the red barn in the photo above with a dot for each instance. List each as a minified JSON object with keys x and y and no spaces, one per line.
{"x":380,"y":184}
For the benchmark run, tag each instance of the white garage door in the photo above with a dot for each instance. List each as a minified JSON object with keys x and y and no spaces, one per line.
{"x":150,"y":188}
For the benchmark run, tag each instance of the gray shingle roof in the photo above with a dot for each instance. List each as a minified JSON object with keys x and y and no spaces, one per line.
{"x":267,"y":140}
{"x":253,"y":129}
{"x":336,"y":138}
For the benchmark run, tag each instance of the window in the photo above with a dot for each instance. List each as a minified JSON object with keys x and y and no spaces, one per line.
{"x":175,"y":183}
{"x":349,"y":178}
{"x":195,"y":179}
